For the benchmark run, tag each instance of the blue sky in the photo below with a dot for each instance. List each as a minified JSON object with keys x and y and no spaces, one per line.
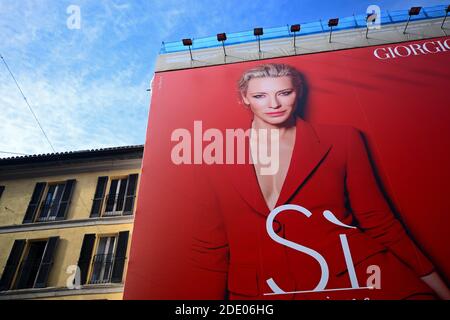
{"x":88,"y":86}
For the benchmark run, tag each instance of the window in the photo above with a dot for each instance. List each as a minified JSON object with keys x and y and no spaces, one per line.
{"x":49,"y":206}
{"x":107,"y":264}
{"x":116,"y":197}
{"x":103,"y":260}
{"x":120,"y":198}
{"x":29,"y":264}
{"x":54,"y":205}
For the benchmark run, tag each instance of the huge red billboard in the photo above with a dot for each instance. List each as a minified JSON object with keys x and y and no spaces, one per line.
{"x":319,"y":176}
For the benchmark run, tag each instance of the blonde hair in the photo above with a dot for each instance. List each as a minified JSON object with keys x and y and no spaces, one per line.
{"x":270,"y":70}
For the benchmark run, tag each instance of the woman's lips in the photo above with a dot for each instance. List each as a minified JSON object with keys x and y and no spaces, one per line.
{"x":275,"y":114}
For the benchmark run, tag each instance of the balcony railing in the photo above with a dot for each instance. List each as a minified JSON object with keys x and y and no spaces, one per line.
{"x":46,"y":211}
{"x":114,"y":205}
{"x":102,"y":266}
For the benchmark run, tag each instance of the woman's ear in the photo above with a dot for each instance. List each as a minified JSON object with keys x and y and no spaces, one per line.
{"x":245,"y":100}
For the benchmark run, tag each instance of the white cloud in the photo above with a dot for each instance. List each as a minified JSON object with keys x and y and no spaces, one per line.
{"x":75,"y":114}
{"x":85,"y":94}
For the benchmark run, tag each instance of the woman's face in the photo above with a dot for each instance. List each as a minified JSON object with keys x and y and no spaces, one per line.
{"x":271,"y":100}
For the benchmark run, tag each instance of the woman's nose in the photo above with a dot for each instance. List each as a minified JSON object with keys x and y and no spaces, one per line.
{"x":274,"y":103}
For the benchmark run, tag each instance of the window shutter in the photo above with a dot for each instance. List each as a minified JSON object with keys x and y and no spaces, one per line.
{"x":2,"y":188}
{"x":120,"y":257}
{"x":34,"y":202}
{"x":121,"y":195}
{"x":65,"y":199}
{"x":111,"y":196}
{"x":46,"y":263}
{"x":131,"y":194}
{"x":12,"y":264}
{"x":85,"y":256}
{"x":98,"y":197}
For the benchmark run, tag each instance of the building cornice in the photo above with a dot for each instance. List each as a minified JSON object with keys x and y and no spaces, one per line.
{"x":57,"y":168}
{"x":60,"y":292}
{"x":62,"y":224}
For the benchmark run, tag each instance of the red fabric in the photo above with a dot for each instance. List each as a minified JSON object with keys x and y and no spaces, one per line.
{"x":329,"y":170}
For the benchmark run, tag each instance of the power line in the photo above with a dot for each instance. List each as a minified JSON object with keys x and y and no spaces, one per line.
{"x":26,"y":101}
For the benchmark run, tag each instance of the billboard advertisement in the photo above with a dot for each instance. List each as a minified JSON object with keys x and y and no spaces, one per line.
{"x":319,"y":176}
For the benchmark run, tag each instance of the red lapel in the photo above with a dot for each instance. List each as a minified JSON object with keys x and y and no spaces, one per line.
{"x":243,"y":177}
{"x":306,"y":157}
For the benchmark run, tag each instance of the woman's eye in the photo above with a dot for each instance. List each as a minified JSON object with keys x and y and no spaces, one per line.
{"x":258,"y":96}
{"x":286,"y":93}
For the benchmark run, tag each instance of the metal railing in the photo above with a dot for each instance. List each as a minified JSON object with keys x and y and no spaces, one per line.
{"x":321,"y":26}
{"x":102,"y":268}
{"x":113,"y":201}
{"x":47,"y":209}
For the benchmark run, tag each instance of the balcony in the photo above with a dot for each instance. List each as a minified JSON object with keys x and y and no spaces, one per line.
{"x":47,"y":212}
{"x":114,"y":205}
{"x":102,"y":268}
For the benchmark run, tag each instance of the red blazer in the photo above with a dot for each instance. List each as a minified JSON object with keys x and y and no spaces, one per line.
{"x":234,"y":256}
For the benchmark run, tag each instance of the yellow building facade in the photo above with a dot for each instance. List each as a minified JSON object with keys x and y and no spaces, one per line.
{"x":65,"y":223}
